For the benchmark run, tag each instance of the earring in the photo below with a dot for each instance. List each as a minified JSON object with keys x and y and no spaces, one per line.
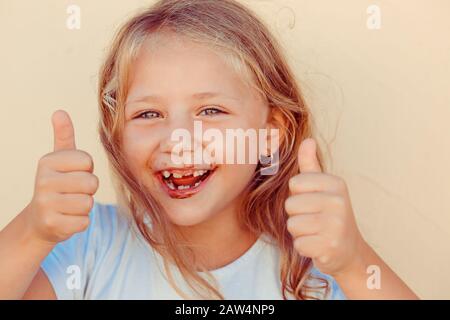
{"x":265,"y":159}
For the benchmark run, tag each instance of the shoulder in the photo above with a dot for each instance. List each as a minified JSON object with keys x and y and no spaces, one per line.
{"x":105,"y":224}
{"x":84,"y":251}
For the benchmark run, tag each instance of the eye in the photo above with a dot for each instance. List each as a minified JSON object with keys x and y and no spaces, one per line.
{"x":210,"y":111}
{"x":148,"y":115}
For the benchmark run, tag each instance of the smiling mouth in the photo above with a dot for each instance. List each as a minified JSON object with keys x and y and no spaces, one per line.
{"x":184,"y":183}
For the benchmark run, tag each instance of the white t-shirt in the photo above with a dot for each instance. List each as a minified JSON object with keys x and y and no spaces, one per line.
{"x":110,"y":260}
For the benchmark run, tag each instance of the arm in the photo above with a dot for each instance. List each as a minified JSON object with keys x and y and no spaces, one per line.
{"x":40,"y":288}
{"x":322,"y":224}
{"x":22,"y":255}
{"x":353,"y":281}
{"x":62,"y":200}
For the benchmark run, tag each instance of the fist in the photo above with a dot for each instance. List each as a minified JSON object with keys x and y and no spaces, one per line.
{"x":64,"y":187}
{"x":321,"y":219}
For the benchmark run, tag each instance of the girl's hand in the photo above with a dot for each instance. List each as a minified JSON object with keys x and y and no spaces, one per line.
{"x":321,"y":218}
{"x":64,"y":187}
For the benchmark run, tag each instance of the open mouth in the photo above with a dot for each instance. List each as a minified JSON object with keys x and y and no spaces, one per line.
{"x":184,"y":183}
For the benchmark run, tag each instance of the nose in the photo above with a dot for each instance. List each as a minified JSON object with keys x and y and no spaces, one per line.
{"x":187,"y":144}
{"x":180,"y":135}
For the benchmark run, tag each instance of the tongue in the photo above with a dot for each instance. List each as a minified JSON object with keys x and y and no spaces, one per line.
{"x":186,"y":180}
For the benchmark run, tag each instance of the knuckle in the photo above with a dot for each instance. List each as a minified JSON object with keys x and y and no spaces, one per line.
{"x":84,"y":224}
{"x":93,"y":183}
{"x":291,"y":184}
{"x":337,"y":201}
{"x":298,"y":245}
{"x":324,"y":259}
{"x":84,"y":203}
{"x":335,"y":243}
{"x":340,"y":183}
{"x":43,"y":182}
{"x":337,"y":226}
{"x":88,"y":203}
{"x":290,"y":225}
{"x":294,"y":183}
{"x":42,"y":201}
{"x":288,"y":205}
{"x":79,"y":226}
{"x":86,"y":159}
{"x":49,"y":223}
{"x":64,"y":233}
{"x":44,"y":160}
{"x":339,"y":223}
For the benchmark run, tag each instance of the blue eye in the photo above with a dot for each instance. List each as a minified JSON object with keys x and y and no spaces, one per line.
{"x":148,"y":115}
{"x":210,"y":111}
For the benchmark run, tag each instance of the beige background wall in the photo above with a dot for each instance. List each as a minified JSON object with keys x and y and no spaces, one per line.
{"x":381,"y":99}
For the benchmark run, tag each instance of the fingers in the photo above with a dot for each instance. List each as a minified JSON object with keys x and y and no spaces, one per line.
{"x":307,"y":157}
{"x":70,"y":182}
{"x":67,"y":161}
{"x":64,"y":225}
{"x":303,"y":225}
{"x":73,"y":204}
{"x":313,"y":182}
{"x":63,"y":132}
{"x":75,"y":224}
{"x":320,"y":217}
{"x":64,"y":187}
{"x":310,"y":246}
{"x":307,"y":203}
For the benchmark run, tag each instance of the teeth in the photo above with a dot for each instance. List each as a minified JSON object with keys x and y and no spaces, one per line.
{"x":170,"y":185}
{"x":177,"y":175}
{"x":198,"y":173}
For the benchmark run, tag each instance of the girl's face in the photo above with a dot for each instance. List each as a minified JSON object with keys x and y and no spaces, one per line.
{"x":173,"y":84}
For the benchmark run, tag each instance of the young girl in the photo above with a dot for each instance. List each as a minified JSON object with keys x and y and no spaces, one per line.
{"x":202,"y":230}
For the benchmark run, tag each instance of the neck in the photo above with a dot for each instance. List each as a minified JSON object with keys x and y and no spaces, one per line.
{"x":219,"y":240}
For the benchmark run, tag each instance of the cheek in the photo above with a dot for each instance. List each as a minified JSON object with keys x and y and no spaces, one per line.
{"x":242,"y":144}
{"x":237,"y":177}
{"x":138,"y":146}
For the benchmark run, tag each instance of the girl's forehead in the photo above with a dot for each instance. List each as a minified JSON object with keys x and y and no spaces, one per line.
{"x":165,"y":62}
{"x":178,"y":52}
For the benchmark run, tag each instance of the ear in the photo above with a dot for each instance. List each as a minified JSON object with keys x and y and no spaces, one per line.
{"x":277,"y":120}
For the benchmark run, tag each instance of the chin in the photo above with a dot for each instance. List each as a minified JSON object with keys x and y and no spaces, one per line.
{"x":187,"y":216}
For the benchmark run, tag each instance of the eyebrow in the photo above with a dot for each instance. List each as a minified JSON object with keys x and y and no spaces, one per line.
{"x":197,"y":96}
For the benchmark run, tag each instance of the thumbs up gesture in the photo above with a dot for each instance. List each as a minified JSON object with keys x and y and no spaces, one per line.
{"x":64,"y":187}
{"x":321,"y":219}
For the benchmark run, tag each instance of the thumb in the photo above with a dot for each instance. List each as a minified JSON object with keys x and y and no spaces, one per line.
{"x":63,"y":132}
{"x":307,"y":156}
